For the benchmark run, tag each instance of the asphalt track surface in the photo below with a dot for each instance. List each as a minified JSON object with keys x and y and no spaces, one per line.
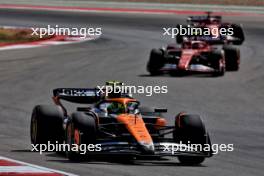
{"x":231,"y":106}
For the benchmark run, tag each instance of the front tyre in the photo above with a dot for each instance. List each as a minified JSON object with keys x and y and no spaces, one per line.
{"x":156,"y":62}
{"x":220,"y":68}
{"x":81,"y":130}
{"x":218,"y":63}
{"x":189,"y":129}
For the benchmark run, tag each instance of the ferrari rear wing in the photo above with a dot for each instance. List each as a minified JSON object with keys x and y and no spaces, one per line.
{"x":209,"y":17}
{"x":78,"y":95}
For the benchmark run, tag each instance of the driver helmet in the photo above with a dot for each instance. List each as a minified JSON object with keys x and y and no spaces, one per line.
{"x":116,"y":108}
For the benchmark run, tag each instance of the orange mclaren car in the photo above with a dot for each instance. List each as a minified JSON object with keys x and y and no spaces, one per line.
{"x":118,"y":125}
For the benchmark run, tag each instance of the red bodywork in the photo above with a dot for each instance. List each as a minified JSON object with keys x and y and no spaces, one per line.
{"x":188,"y":50}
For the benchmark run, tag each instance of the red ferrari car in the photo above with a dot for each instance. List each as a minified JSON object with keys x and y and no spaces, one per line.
{"x":193,"y":57}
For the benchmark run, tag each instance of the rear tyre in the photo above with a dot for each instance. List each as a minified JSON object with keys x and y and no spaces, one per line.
{"x":80,"y":130}
{"x":232,"y":57}
{"x":190,"y":128}
{"x":239,"y":34}
{"x":217,"y":60}
{"x":46,"y":125}
{"x":218,"y":63}
{"x":156,"y":62}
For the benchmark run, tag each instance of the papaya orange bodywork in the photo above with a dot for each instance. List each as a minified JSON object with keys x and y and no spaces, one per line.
{"x":161,"y":122}
{"x":136,"y":127}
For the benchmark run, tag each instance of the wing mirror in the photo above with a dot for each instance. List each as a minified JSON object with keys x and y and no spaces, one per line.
{"x":136,"y":112}
{"x":160,"y":110}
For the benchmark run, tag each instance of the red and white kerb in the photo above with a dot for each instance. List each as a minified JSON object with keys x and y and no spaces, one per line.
{"x":10,"y":167}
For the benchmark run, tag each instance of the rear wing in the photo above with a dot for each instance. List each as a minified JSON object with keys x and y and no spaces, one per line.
{"x":205,"y":19}
{"x":78,"y":95}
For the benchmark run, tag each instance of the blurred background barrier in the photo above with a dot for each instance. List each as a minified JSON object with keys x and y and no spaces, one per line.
{"x":246,"y":6}
{"x":211,"y":2}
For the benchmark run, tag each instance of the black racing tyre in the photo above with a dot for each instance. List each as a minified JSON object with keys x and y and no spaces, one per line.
{"x":85,"y":125}
{"x":238,"y":33}
{"x":232,"y":58}
{"x":189,"y":129}
{"x":46,"y":124}
{"x":156,"y":62}
{"x":218,"y":63}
